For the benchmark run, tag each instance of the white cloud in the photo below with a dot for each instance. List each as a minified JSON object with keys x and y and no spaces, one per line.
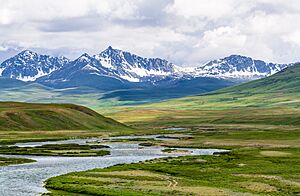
{"x":223,"y":36}
{"x":292,"y":38}
{"x":183,"y":31}
{"x":212,"y":9}
{"x":5,"y":16}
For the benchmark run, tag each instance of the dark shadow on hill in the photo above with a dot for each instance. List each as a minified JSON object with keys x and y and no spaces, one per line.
{"x":169,"y":89}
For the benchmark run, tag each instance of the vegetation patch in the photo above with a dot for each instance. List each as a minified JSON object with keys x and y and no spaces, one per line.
{"x":176,"y":151}
{"x":132,"y":140}
{"x":69,"y":150}
{"x":13,"y":161}
{"x":146,"y":144}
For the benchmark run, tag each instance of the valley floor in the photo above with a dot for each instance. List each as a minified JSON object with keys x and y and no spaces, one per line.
{"x":264,"y":140}
{"x":263,"y":160}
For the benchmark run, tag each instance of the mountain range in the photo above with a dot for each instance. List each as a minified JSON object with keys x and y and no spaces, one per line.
{"x":127,"y":76}
{"x":29,"y":66}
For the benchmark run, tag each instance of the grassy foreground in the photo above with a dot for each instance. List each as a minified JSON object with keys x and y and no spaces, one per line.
{"x":268,"y":164}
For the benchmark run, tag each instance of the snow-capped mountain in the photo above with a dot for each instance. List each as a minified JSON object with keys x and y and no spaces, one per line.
{"x":28,"y":66}
{"x":127,"y":67}
{"x":84,"y":63}
{"x":132,"y":67}
{"x":238,"y":67}
{"x":84,"y":71}
{"x":117,"y":64}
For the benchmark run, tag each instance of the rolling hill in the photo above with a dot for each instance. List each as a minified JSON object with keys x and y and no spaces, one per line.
{"x":16,"y":116}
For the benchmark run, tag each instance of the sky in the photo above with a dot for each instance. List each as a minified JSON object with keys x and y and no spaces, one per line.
{"x":185,"y":32}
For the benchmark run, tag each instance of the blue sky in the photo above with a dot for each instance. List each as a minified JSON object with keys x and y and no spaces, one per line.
{"x":186,"y":32}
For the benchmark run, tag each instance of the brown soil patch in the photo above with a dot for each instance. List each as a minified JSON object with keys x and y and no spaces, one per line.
{"x":275,"y":153}
{"x":280,"y":179}
{"x":130,"y":173}
{"x":257,"y":187}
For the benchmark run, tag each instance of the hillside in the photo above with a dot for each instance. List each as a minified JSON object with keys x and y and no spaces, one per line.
{"x":271,"y":100}
{"x":25,"y":116}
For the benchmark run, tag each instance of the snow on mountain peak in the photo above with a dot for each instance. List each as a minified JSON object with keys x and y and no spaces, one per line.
{"x":28,"y":65}
{"x":85,"y":57}
{"x":26,"y":53}
{"x":238,"y":67}
{"x":132,"y":67}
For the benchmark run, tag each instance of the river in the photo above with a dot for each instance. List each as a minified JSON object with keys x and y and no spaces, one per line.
{"x":27,"y":179}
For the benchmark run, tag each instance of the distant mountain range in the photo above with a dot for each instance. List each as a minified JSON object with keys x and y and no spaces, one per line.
{"x":124,"y":66}
{"x":110,"y":69}
{"x":127,"y":76}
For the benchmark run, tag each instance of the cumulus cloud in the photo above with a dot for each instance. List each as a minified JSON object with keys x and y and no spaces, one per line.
{"x":186,"y":32}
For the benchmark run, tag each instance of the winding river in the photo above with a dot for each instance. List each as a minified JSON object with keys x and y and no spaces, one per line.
{"x":27,"y":179}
